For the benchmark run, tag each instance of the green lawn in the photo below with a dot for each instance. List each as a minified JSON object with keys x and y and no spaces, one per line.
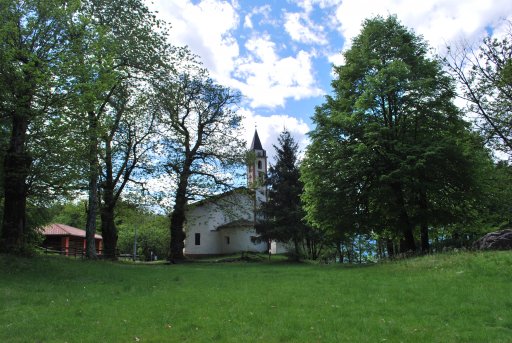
{"x":465,"y":297}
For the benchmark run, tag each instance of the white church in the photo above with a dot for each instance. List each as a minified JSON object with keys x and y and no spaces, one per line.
{"x":225,"y":223}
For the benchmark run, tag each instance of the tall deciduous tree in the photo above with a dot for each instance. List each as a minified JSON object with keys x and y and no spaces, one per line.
{"x":390,"y":143}
{"x":116,"y":44}
{"x":34,"y":46}
{"x":125,"y":146}
{"x":485,"y":74}
{"x":200,"y":141}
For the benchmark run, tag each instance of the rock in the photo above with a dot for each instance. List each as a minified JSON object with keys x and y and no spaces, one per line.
{"x":498,"y":240}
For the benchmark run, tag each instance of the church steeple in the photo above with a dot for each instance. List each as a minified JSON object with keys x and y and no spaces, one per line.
{"x":256,"y":143}
{"x":257,"y":167}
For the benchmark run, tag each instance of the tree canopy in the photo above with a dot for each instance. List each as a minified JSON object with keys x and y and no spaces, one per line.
{"x":282,"y":215}
{"x":93,"y":97}
{"x":200,"y":143}
{"x":390,"y":151}
{"x":34,"y":50}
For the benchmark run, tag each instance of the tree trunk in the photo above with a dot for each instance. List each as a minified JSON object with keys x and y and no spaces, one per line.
{"x":425,"y":245}
{"x":178,"y":220}
{"x":108,"y":232}
{"x":90,"y":229}
{"x":177,"y":233}
{"x":16,"y":168}
{"x":407,"y":243}
{"x":297,"y":250}
{"x":309,"y":249}
{"x":390,"y":248}
{"x":108,"y":226}
{"x":339,"y":248}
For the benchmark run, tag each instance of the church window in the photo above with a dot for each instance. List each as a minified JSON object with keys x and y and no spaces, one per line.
{"x":259,"y":165}
{"x":198,"y":238}
{"x":227,"y":240}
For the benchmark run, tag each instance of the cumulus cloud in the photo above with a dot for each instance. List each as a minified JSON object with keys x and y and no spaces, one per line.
{"x":308,"y":5}
{"x":264,"y":77}
{"x":269,"y":128}
{"x":242,"y":53}
{"x":302,"y":29}
{"x":268,"y":79}
{"x":261,"y":11}
{"x":206,"y":28}
{"x":439,"y":21}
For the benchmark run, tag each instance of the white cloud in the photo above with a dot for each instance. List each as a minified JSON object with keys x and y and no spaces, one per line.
{"x":307,"y":5}
{"x":264,"y":78}
{"x":206,"y":28}
{"x":439,"y":21}
{"x":337,"y":59}
{"x":261,"y":11}
{"x":269,"y":128}
{"x":502,"y":28}
{"x":267,"y":79}
{"x":248,"y":22}
{"x":302,"y":29}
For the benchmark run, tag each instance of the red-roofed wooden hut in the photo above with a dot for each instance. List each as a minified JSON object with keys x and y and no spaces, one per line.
{"x":67,"y":239}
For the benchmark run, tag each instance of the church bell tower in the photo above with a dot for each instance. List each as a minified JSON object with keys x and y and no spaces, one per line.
{"x":257,"y":166}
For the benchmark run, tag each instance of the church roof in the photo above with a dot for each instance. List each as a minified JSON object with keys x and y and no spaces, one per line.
{"x":216,"y":197}
{"x":64,"y":230}
{"x":256,"y":143}
{"x":235,"y":224}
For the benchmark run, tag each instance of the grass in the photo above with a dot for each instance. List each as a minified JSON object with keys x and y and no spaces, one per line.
{"x":463,"y":297}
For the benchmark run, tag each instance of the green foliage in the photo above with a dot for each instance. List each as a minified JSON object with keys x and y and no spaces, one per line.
{"x":152,"y":231}
{"x":415,"y":300}
{"x":492,"y":210}
{"x":70,"y":213}
{"x":390,"y":152}
{"x":117,"y":47}
{"x":282,"y":214}
{"x":33,"y":51}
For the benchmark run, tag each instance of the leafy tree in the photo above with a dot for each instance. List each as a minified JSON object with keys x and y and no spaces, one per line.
{"x":69,"y":213}
{"x":485,"y":74}
{"x":390,"y":150}
{"x":200,"y":141}
{"x":117,"y":45}
{"x":282,"y":212}
{"x":124,"y":152}
{"x":492,"y":210}
{"x":33,"y":51}
{"x":152,"y":231}
{"x":334,"y":187}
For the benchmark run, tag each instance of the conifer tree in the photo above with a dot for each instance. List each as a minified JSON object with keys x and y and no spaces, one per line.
{"x":282,"y":213}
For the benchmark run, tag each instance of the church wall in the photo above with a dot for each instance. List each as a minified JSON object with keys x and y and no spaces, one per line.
{"x":207,"y":217}
{"x":278,"y":247}
{"x":202,"y":220}
{"x":240,"y":240}
{"x":225,"y":223}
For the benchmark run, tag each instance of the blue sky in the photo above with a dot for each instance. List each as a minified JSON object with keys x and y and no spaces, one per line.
{"x":279,"y":54}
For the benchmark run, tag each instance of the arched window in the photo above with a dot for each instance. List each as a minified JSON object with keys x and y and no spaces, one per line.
{"x":259,"y":165}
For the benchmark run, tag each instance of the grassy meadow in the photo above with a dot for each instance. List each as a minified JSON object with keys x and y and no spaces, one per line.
{"x":460,"y":297}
